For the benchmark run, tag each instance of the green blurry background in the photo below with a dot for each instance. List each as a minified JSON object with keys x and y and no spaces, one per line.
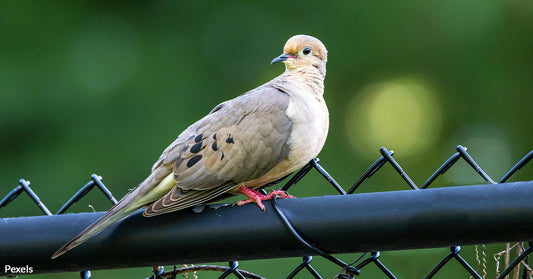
{"x":103,"y":87}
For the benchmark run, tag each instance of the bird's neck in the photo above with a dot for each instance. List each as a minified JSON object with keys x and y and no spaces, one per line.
{"x":310,"y":77}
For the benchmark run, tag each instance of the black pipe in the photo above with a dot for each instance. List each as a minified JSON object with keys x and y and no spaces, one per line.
{"x":396,"y":220}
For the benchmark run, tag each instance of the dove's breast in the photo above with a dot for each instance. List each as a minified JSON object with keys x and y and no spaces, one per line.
{"x":310,"y":120}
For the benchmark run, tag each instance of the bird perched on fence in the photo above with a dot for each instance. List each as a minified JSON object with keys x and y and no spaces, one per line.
{"x":242,"y":145}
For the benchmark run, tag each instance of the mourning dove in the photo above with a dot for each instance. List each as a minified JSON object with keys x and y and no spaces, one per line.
{"x":242,"y":145}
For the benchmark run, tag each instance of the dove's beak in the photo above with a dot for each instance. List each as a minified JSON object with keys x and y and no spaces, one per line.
{"x":282,"y":58}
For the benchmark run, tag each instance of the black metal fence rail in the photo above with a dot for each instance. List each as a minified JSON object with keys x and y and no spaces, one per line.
{"x":363,"y":222}
{"x":395,"y":220}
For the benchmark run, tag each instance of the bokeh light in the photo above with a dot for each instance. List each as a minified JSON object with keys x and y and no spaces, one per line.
{"x":403,"y":114}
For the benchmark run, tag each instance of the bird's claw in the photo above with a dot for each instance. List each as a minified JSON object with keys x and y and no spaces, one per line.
{"x":258,"y":198}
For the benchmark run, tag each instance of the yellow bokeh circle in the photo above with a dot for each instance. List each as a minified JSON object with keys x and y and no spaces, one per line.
{"x":403,"y":114}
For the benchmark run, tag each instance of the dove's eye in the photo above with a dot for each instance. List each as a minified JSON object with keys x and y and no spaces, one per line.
{"x":306,"y":50}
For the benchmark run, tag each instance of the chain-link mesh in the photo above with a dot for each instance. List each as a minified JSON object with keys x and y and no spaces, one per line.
{"x":346,"y":270}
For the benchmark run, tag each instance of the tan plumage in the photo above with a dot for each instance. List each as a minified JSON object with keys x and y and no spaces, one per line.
{"x":251,"y":140}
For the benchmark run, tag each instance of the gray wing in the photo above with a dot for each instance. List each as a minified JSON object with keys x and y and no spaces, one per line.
{"x":239,"y":140}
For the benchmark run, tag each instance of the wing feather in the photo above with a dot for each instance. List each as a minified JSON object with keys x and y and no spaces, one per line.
{"x":240,"y":140}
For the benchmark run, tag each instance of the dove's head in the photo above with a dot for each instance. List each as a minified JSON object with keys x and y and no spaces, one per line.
{"x":302,"y":51}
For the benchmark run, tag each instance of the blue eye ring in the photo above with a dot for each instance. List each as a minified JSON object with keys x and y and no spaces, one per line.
{"x":306,"y":51}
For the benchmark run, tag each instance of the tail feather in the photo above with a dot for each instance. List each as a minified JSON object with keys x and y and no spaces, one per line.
{"x":115,"y":214}
{"x":151,"y":189}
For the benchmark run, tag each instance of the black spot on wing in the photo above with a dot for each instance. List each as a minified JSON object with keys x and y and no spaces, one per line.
{"x":214,"y":146}
{"x":217,"y":108}
{"x":198,"y":138}
{"x":194,"y":160}
{"x":215,"y":136}
{"x":230,"y":139}
{"x":222,"y":157}
{"x":196,"y":148}
{"x":281,"y":90}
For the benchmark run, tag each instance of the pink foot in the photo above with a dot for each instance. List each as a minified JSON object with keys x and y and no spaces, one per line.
{"x":256,"y":197}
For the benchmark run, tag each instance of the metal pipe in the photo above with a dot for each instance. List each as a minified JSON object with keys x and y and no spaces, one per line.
{"x":394,"y":220}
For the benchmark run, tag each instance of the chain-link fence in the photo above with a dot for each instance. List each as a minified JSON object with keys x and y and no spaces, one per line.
{"x":315,"y":245}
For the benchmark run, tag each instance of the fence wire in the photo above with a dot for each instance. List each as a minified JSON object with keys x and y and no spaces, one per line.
{"x":347,"y":270}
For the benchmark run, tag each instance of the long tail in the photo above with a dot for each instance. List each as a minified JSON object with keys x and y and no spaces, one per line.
{"x":138,"y":197}
{"x":115,"y":214}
